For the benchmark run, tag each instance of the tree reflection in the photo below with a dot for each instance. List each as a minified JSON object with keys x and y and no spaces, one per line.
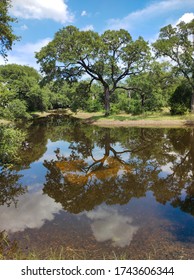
{"x":10,"y":189}
{"x":11,"y":139}
{"x":161,"y":161}
{"x":80,"y":183}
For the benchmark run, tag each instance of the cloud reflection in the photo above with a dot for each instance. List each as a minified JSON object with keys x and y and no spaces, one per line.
{"x":31,"y":212}
{"x":108,"y":224}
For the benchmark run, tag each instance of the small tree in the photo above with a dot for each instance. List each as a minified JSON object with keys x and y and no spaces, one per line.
{"x":108,"y":58}
{"x":181,"y":99}
{"x":176,"y":44}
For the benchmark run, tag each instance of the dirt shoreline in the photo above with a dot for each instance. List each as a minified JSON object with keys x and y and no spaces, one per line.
{"x":141,"y":123}
{"x":90,"y":119}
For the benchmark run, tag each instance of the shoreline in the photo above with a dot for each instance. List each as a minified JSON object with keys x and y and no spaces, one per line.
{"x":97,"y":119}
{"x":120,"y":120}
{"x":140,"y":123}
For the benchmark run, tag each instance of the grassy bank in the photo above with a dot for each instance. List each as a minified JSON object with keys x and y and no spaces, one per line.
{"x":162,"y":119}
{"x":147,"y":119}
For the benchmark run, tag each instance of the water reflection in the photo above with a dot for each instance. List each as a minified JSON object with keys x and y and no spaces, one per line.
{"x":108,"y":224}
{"x":96,"y":174}
{"x":32,"y":211}
{"x":114,"y":172}
{"x":10,"y":188}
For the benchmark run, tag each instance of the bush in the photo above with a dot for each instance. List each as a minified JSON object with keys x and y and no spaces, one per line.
{"x":123,"y":103}
{"x":178,"y":109}
{"x":180,"y":101}
{"x":93,"y":105}
{"x":16,"y":109}
{"x":135,"y":107}
{"x":10,"y":141}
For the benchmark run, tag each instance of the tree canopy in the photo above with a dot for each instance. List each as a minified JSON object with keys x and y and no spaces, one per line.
{"x":108,"y":58}
{"x":176,"y":44}
{"x":7,"y":37}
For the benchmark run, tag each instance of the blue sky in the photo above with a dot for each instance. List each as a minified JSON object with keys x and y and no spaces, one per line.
{"x":38,"y":20}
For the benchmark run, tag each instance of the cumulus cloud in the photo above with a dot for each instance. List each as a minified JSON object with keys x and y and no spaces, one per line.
{"x":108,"y":224}
{"x":40,"y":9}
{"x":24,"y":54}
{"x":187,"y":17}
{"x":154,"y":10}
{"x":32,"y":211}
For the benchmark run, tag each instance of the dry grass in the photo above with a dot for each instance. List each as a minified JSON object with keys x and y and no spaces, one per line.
{"x":148,"y":119}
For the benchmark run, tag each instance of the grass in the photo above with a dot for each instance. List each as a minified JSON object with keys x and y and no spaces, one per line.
{"x":11,"y":251}
{"x":123,"y":118}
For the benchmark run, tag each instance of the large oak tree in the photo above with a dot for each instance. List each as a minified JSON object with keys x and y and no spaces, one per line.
{"x":108,"y":58}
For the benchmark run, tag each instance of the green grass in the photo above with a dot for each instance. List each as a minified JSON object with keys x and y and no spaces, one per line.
{"x":155,"y":116}
{"x":100,"y":117}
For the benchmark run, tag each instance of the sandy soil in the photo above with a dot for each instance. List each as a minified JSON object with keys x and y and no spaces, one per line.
{"x":147,"y":123}
{"x":88,"y":118}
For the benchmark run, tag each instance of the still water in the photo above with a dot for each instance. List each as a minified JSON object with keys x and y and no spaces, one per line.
{"x":101,"y":192}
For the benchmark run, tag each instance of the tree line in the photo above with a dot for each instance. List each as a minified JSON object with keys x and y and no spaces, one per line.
{"x":94,"y":72}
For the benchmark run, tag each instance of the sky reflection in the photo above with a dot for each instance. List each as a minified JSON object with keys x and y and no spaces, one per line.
{"x":32,"y":210}
{"x":108,"y":224}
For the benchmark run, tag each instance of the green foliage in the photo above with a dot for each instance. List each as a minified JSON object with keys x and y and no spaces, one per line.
{"x":74,"y":53}
{"x":20,"y":92}
{"x":16,"y":109}
{"x":175,"y":43}
{"x":79,"y":97}
{"x":10,"y":142}
{"x":144,"y":94}
{"x":135,"y":107}
{"x":19,"y":79}
{"x":6,"y":96}
{"x":181,"y":99}
{"x":7,"y":37}
{"x":119,"y":72}
{"x":93,"y":104}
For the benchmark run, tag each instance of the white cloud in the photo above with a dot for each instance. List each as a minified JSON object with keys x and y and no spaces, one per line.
{"x":31,"y":48}
{"x":108,"y":224}
{"x":88,"y":27}
{"x":42,"y":9}
{"x":32,"y":211}
{"x":187,"y":17}
{"x":153,"y":11}
{"x":83,"y":13}
{"x":25,"y":54}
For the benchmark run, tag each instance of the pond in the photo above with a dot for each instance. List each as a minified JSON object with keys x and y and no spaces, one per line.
{"x":101,"y":193}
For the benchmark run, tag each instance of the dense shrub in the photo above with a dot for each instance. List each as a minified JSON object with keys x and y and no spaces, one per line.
{"x":10,"y":142}
{"x":180,"y":101}
{"x":15,"y":109}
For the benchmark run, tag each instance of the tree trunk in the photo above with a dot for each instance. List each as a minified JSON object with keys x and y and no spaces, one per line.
{"x":107,"y":101}
{"x":192,"y":101}
{"x":142,"y":101}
